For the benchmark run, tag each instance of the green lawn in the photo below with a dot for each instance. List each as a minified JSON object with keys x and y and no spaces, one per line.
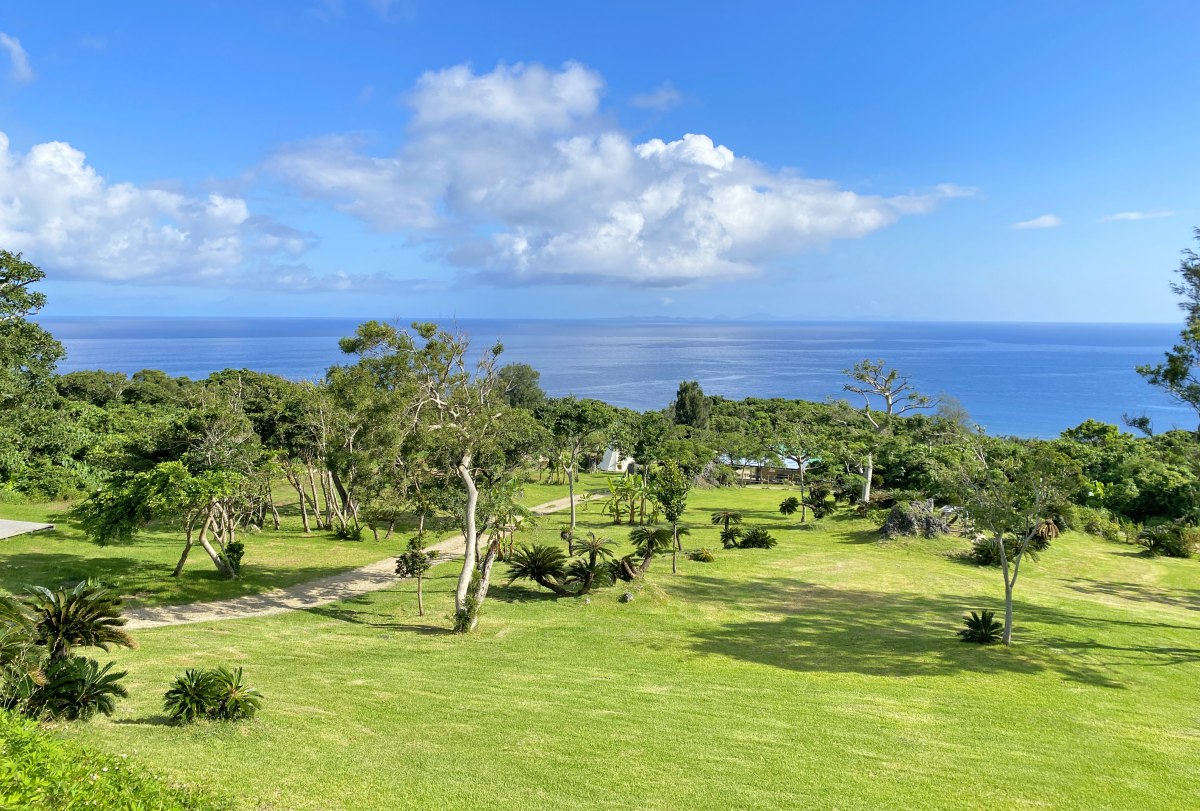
{"x":822,"y":673}
{"x":141,"y":570}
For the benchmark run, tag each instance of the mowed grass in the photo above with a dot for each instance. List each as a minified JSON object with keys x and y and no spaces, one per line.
{"x":141,"y":570}
{"x":823,"y":673}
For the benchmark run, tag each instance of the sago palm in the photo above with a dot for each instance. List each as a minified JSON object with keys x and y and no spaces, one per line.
{"x":726,"y":518}
{"x":87,"y":615}
{"x":544,"y":565}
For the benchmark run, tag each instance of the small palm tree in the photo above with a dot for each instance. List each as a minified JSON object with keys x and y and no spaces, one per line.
{"x":87,"y":615}
{"x":595,"y":549}
{"x":544,"y":565}
{"x":648,"y":542}
{"x":726,"y":518}
{"x":789,"y":506}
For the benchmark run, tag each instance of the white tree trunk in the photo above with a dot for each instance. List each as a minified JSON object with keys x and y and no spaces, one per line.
{"x":468,"y":567}
{"x":868,"y":474}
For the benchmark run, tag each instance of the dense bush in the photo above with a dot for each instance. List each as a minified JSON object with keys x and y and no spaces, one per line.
{"x":218,"y":694}
{"x":76,"y":689}
{"x":40,"y":771}
{"x":235,"y":550}
{"x":985,"y":550}
{"x":756,"y":538}
{"x":1098,"y":522}
{"x":981,"y":628}
{"x":1172,"y":540}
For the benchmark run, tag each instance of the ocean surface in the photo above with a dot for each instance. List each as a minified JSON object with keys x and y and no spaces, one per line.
{"x":1019,"y":379}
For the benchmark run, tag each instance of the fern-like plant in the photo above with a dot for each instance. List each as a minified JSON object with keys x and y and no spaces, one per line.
{"x":544,"y":565}
{"x":191,"y":696}
{"x":236,"y":700}
{"x":87,"y":615}
{"x":701,"y":555}
{"x":756,"y":538}
{"x":77,"y":688}
{"x":982,"y":628}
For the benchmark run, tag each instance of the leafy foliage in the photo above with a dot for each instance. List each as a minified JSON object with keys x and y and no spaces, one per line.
{"x":77,"y":688}
{"x":982,"y":628}
{"x":789,"y":506}
{"x":701,"y":555}
{"x":87,"y":615}
{"x":218,"y":694}
{"x":1172,"y":540}
{"x":756,"y":538}
{"x":39,"y":770}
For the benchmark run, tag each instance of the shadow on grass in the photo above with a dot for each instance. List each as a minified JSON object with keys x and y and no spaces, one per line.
{"x":372,"y":619}
{"x":158,"y":720}
{"x":1175,"y":598}
{"x":814,"y":628}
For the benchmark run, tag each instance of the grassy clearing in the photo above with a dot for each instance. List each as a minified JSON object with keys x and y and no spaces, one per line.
{"x":823,"y":672}
{"x":141,"y":570}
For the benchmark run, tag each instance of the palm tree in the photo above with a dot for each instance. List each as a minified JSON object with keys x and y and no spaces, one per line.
{"x":648,"y":542}
{"x":726,"y":518}
{"x":77,"y":688}
{"x":87,"y":615}
{"x":790,"y":505}
{"x":595,"y":548}
{"x":544,"y":565}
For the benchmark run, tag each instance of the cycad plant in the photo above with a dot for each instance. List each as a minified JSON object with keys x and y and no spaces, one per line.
{"x":647,"y":542}
{"x":981,"y":628}
{"x":191,"y":696}
{"x":77,"y":688}
{"x":544,"y":565}
{"x":595,"y":550}
{"x":87,"y":615}
{"x":219,"y":694}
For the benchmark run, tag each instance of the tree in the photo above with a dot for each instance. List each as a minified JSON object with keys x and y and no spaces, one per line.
{"x":574,"y":424}
{"x":1179,"y":373}
{"x":873,"y":379}
{"x":1011,"y":490}
{"x":647,"y":542}
{"x":415,"y":562}
{"x":28,"y":353}
{"x":521,"y":386}
{"x":670,"y":488}
{"x":691,"y":407}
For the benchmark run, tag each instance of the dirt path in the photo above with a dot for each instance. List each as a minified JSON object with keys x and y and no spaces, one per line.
{"x":372,"y":577}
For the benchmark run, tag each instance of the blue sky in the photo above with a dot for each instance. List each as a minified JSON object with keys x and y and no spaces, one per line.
{"x":914,"y":161}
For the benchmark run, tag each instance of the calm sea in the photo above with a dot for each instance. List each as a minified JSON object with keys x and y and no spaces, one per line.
{"x":1023,"y":379}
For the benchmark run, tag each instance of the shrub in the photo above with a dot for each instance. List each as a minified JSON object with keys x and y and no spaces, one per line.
{"x":233,"y":555}
{"x":1098,"y":522}
{"x":756,"y":538}
{"x":981,"y":628}
{"x":348,"y":533}
{"x":919,"y":517}
{"x":730,"y":537}
{"x":702,"y":555}
{"x":192,"y":696}
{"x":1170,"y":540}
{"x":39,"y":770}
{"x":218,"y":694}
{"x":985,"y":551}
{"x":77,"y":688}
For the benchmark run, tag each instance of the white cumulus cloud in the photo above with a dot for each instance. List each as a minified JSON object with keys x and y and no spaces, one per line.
{"x":20,"y":71}
{"x":70,"y":220}
{"x":1044,"y":221}
{"x":517,"y":173}
{"x":1134,"y":216}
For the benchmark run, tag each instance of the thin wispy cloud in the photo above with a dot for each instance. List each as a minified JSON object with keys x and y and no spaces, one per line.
{"x":20,"y":71}
{"x":1135,"y":216}
{"x":518,"y":175}
{"x":1044,"y":221}
{"x":664,"y":98}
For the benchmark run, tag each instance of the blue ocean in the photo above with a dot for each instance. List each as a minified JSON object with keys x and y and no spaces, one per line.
{"x":1018,"y":379}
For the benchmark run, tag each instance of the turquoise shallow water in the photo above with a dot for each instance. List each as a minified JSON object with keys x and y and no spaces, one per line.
{"x":1024,"y":379}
